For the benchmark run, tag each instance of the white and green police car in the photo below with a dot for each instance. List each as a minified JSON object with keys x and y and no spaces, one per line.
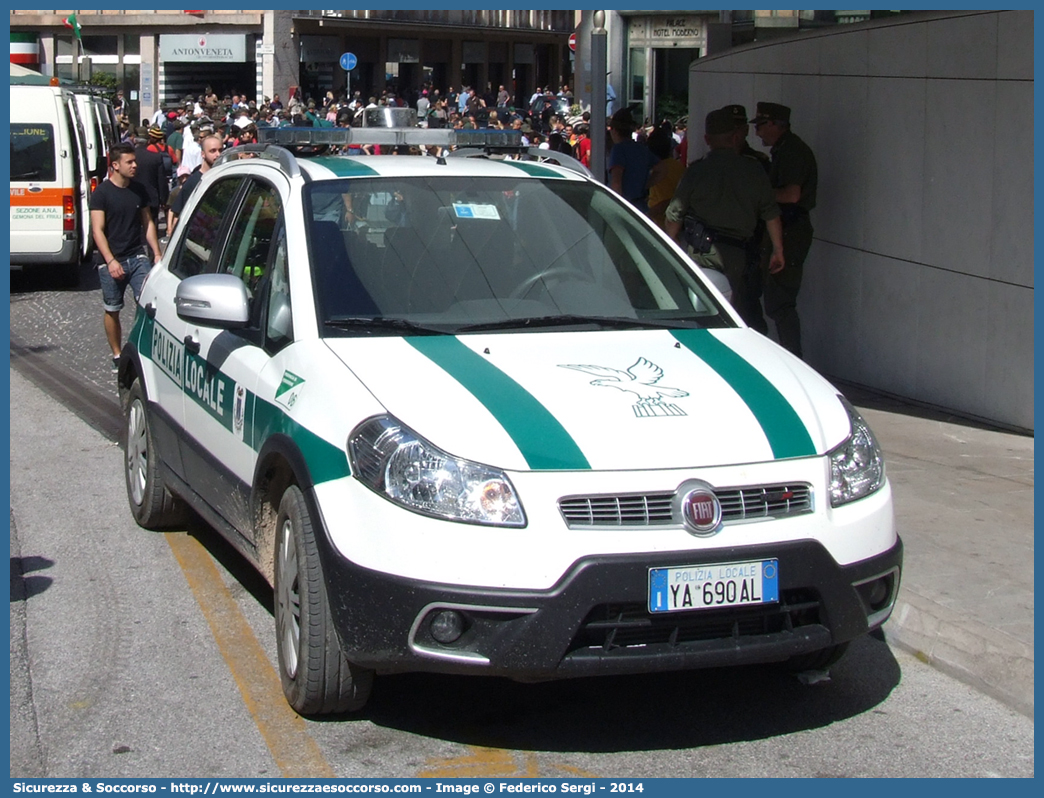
{"x":479,"y":416}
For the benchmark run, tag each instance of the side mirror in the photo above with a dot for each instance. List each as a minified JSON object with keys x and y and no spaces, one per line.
{"x":213,"y":300}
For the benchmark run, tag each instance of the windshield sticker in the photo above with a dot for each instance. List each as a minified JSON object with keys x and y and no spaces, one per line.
{"x":642,"y":380}
{"x":287,"y":392}
{"x":471,"y":210}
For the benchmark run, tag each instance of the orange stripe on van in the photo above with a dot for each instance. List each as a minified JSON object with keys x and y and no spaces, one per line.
{"x":45,"y":196}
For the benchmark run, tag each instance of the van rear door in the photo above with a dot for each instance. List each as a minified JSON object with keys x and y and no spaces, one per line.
{"x":38,"y":202}
{"x":82,"y":174}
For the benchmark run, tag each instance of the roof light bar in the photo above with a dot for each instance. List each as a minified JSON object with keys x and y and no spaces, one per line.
{"x":392,"y":137}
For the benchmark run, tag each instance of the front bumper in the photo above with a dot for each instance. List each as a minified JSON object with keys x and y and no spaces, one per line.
{"x":595,"y":621}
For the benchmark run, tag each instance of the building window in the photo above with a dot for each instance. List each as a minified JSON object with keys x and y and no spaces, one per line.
{"x":636,"y":83}
{"x":101,"y":45}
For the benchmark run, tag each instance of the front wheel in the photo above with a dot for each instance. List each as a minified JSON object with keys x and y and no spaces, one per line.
{"x":317,"y":678}
{"x":153,"y":506}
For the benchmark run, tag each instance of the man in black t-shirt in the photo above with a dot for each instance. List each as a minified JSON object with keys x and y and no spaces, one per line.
{"x":119,"y":215}
{"x":152,"y":174}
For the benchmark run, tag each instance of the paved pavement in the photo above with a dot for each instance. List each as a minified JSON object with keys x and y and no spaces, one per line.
{"x":964,"y":506}
{"x":963,"y":499}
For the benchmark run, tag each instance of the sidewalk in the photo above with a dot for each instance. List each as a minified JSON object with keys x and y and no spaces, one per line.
{"x":964,"y":508}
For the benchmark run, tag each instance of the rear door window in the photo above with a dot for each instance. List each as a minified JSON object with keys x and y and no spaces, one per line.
{"x":32,"y":153}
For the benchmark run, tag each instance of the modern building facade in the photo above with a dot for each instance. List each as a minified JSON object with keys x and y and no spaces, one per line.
{"x":920,"y":279}
{"x":650,"y":50}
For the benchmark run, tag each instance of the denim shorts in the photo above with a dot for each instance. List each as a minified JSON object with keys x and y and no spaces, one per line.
{"x":135,"y":269}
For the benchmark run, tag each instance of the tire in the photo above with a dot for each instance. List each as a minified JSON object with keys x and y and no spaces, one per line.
{"x":817,"y":660}
{"x":152,"y":505}
{"x":317,"y":677}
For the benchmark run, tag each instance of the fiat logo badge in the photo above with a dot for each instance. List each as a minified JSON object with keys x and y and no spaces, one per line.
{"x":701,"y":511}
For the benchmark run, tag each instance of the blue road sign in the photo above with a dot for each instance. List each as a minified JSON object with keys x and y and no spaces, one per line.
{"x":348,"y":62}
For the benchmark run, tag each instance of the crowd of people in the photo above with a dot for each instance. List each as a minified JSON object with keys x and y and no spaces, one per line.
{"x":739,"y":211}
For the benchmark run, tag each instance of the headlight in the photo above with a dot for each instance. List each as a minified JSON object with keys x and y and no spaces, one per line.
{"x":856,"y":466}
{"x":392,"y":460}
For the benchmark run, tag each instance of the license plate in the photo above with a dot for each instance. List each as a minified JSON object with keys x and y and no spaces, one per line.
{"x":704,"y":587}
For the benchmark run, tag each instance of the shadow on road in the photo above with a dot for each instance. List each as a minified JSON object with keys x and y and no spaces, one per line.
{"x":637,"y":713}
{"x":24,"y":582}
{"x":31,"y":279}
{"x":663,"y":711}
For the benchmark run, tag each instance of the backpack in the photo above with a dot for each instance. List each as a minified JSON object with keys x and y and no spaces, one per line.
{"x":168,"y":160}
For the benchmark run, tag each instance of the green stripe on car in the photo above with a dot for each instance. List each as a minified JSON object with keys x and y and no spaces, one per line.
{"x":214,"y":390}
{"x":540,"y":437}
{"x":325,"y":460}
{"x":781,"y":424}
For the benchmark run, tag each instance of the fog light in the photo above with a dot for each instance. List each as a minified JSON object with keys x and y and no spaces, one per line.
{"x":447,"y":626}
{"x":878,"y":593}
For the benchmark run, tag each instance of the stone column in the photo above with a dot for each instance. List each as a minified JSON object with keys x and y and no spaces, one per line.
{"x":281,"y":69}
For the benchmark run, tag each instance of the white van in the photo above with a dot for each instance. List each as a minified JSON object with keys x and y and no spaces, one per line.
{"x":100,"y":129}
{"x":50,"y":180}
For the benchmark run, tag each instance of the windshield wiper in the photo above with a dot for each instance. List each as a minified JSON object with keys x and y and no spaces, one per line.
{"x":567,"y":319}
{"x":380,"y":323}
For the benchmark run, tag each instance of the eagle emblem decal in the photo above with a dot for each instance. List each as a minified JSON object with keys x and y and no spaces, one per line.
{"x":642,"y":379}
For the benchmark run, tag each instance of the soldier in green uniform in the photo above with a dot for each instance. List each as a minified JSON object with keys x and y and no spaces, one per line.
{"x":739,"y":116}
{"x":718,"y":203}
{"x":794,"y":177}
{"x":749,"y":304}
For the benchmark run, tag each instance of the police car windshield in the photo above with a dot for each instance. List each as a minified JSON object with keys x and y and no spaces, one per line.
{"x":458,"y":253}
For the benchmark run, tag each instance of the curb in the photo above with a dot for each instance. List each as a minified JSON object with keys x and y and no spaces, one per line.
{"x":978,"y":655}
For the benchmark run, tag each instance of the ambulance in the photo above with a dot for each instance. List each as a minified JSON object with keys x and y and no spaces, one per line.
{"x":100,"y":129}
{"x":50,"y":180}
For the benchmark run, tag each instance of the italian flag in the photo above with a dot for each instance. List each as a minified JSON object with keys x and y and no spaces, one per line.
{"x":24,"y":48}
{"x":70,"y":22}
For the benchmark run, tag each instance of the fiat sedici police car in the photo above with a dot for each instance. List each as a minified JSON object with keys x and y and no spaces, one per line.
{"x":476,"y":415}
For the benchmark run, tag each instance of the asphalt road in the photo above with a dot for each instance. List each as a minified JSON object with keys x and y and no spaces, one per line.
{"x":142,"y":654}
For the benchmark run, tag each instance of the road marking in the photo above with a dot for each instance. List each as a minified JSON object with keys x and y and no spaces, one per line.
{"x":482,"y":762}
{"x":296,"y":754}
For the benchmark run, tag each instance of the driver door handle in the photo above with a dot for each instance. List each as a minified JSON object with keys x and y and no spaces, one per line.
{"x":191,"y":344}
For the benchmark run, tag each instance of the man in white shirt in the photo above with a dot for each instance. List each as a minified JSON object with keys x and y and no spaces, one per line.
{"x":191,"y":153}
{"x":423,"y":104}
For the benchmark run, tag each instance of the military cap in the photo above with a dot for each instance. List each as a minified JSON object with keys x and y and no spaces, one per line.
{"x":719,"y":122}
{"x":739,"y":113}
{"x":772,"y":112}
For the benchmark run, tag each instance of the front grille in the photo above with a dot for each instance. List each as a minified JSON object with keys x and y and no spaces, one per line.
{"x":613,"y":626}
{"x":770,"y":501}
{"x":639,"y":510}
{"x":656,"y":509}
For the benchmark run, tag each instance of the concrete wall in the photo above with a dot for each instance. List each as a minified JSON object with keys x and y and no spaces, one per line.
{"x":920,"y":280}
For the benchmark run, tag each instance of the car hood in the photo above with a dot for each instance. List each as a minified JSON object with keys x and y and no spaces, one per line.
{"x":614,"y":400}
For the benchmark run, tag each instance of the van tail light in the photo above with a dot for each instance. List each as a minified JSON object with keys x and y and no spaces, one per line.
{"x":94,"y":184}
{"x":68,"y":214}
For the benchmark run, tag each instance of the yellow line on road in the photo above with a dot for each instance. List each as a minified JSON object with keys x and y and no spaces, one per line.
{"x":296,"y":754}
{"x":480,"y":762}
